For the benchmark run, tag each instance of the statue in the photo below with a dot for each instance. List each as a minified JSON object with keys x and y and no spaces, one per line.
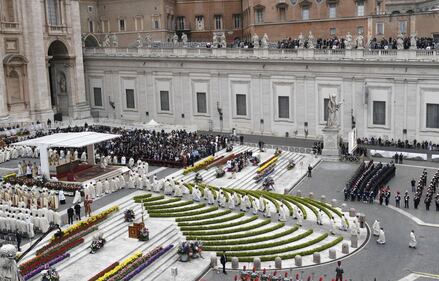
{"x":360,"y":44}
{"x":114,"y":40}
{"x":148,"y":39}
{"x":83,"y":36}
{"x":215,"y":40}
{"x":413,"y":41}
{"x":175,"y":39}
{"x":62,"y":82}
{"x":310,"y":40}
{"x":264,"y":41}
{"x":348,"y":41}
{"x":333,"y":106}
{"x":139,"y":41}
{"x":106,"y":43}
{"x":255,"y":39}
{"x":184,"y":38}
{"x":8,"y":265}
{"x":301,"y":41}
{"x":223,"y":40}
{"x":400,"y":42}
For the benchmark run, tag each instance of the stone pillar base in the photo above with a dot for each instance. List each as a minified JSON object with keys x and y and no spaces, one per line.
{"x":81,"y":111}
{"x":330,"y":144}
{"x":42,"y":115}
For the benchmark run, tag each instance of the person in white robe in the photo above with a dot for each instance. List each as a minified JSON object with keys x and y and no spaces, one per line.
{"x":210,"y":198}
{"x":113,"y":185}
{"x":413,"y":242}
{"x":117,"y":182}
{"x":381,"y":237}
{"x":122,"y":181}
{"x":99,"y":189}
{"x":75,"y":155}
{"x":282,"y":213}
{"x":115,"y":161}
{"x":168,"y":188}
{"x":333,"y":226}
{"x":184,"y":189}
{"x":106,"y":186}
{"x":123,"y":160}
{"x":131,"y":162}
{"x":155,"y":184}
{"x":139,"y":184}
{"x":299,"y":218}
{"x":68,"y":156}
{"x":344,"y":224}
{"x":20,"y":170}
{"x":232,"y":202}
{"x":77,"y":197}
{"x":376,"y":228}
{"x":148,"y":184}
{"x":145,"y":167}
{"x":178,"y":192}
{"x":84,"y":157}
{"x":44,"y":224}
{"x":255,"y":206}
{"x":261,"y":204}
{"x":319,"y":217}
{"x":62,"y":154}
{"x":196,"y":194}
{"x":93,"y":191}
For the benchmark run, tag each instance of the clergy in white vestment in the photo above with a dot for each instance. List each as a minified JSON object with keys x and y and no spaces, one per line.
{"x":254,"y":206}
{"x":139,"y":183}
{"x":115,"y":162}
{"x":99,"y":189}
{"x":413,"y":242}
{"x":122,"y":181}
{"x":106,"y":186}
{"x":93,"y":190}
{"x":44,"y":224}
{"x":178,"y":192}
{"x":183,"y":188}
{"x":344,"y":224}
{"x":319,"y":217}
{"x":232,"y":202}
{"x":77,"y":198}
{"x":123,"y":160}
{"x":261,"y":204}
{"x":84,"y":157}
{"x":148,"y":184}
{"x":210,"y":199}
{"x":376,"y":228}
{"x":75,"y":155}
{"x":282,"y":213}
{"x":267,"y":212}
{"x":381,"y":237}
{"x":168,"y":189}
{"x":131,"y":182}
{"x":299,"y":217}
{"x":196,"y":194}
{"x":113,"y":185}
{"x":131,"y":162}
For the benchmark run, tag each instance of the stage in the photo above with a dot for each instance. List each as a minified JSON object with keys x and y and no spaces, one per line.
{"x":92,"y":174}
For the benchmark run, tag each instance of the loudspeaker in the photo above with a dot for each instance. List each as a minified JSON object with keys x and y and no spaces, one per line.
{"x":147,"y":113}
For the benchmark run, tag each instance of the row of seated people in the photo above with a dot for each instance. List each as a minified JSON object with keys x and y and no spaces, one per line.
{"x":366,"y":181}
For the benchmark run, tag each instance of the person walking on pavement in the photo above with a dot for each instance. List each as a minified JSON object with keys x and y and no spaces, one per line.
{"x":339,"y":272}
{"x":70,"y":213}
{"x":18,"y":238}
{"x":223,"y":261}
{"x":309,"y":171}
{"x":78,"y":211}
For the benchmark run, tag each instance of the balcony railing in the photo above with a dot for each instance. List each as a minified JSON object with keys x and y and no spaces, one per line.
{"x":10,"y":27}
{"x":56,"y":29}
{"x":271,"y":53}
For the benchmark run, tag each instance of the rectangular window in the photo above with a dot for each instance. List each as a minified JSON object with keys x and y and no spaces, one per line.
{"x":305,"y":13}
{"x":360,"y":8}
{"x":241,"y":105}
{"x":218,"y":22}
{"x":379,"y":113}
{"x":97,"y":96}
{"x":333,"y":31}
{"x":90,"y":26}
{"x":360,"y":30}
{"x":236,"y":21}
{"x":122,"y":25}
{"x":129,"y":93}
{"x":403,"y":27}
{"x":139,"y":23}
{"x":201,"y":103}
{"x":199,"y":21}
{"x":53,"y":12}
{"x":259,"y":16}
{"x":332,"y":10}
{"x":282,"y":13}
{"x":380,"y":28}
{"x":164,"y":101}
{"x":104,"y":26}
{"x":180,"y":23}
{"x":432,"y":115}
{"x":90,"y":9}
{"x":156,"y":24}
{"x":284,"y":107}
{"x":325,"y":109}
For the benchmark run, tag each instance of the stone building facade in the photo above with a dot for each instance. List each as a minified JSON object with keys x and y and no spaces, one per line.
{"x":391,"y":93}
{"x":42,"y":71}
{"x":238,"y":19}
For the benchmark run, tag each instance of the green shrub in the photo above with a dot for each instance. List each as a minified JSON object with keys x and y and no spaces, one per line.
{"x":178,"y":210}
{"x":168,"y":206}
{"x":220,"y":220}
{"x":204,"y":217}
{"x":156,"y":198}
{"x":216,"y":226}
{"x":161,"y":202}
{"x":139,"y":198}
{"x":226,"y":231}
{"x":183,"y":214}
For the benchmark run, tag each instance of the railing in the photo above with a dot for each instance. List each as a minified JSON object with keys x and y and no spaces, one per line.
{"x":270,"y":53}
{"x":10,"y":26}
{"x":56,"y":28}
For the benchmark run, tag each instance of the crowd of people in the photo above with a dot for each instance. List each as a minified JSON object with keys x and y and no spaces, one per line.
{"x":406,"y":144}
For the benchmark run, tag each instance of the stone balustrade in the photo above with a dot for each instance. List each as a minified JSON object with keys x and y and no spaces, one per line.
{"x":271,"y":53}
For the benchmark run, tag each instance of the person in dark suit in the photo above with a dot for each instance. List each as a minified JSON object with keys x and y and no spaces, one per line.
{"x":70,"y":213}
{"x":18,"y":238}
{"x":223,"y":260}
{"x":78,"y":211}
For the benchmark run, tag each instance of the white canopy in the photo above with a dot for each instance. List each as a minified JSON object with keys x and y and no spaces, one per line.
{"x":152,"y":123}
{"x":80,"y":139}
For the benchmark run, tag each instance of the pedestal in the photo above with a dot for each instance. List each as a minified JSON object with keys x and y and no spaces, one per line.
{"x":330,"y":143}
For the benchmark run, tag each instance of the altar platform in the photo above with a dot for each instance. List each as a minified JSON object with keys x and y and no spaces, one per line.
{"x":85,"y":173}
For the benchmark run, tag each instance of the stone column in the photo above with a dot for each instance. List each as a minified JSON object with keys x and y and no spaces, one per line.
{"x":44,"y":161}
{"x":90,"y":154}
{"x":3,"y":96}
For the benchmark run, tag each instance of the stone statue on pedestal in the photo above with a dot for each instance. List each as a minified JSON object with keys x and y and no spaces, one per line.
{"x":255,"y":40}
{"x":222,"y":38}
{"x":114,"y":40}
{"x":106,"y":43}
{"x":8,"y":265}
{"x":264,"y":41}
{"x":413,"y":41}
{"x":175,"y":39}
{"x":139,"y":41}
{"x":360,"y":43}
{"x":148,"y":39}
{"x":184,"y":38}
{"x":400,"y":42}
{"x":333,"y":107}
{"x":310,"y":40}
{"x":348,"y":41}
{"x":215,"y":40}
{"x":301,"y":41}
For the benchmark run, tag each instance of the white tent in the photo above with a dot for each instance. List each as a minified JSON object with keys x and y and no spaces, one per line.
{"x":152,"y":123}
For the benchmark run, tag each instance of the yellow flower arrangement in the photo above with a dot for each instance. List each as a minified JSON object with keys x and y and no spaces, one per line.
{"x":267,"y":164}
{"x":88,"y":221}
{"x":6,"y":177}
{"x":123,"y":264}
{"x":199,"y":165}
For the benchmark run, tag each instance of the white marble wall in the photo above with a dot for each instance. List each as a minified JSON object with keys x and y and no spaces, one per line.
{"x":405,"y":89}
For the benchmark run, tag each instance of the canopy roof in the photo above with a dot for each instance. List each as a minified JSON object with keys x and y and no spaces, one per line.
{"x":68,"y":139}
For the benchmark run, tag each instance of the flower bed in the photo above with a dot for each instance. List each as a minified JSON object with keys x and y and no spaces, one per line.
{"x":103,"y":272}
{"x":121,"y":266}
{"x":273,"y":159}
{"x":51,"y":246}
{"x":82,"y":225}
{"x":199,"y":165}
{"x":42,"y":267}
{"x":37,"y":261}
{"x":147,"y":263}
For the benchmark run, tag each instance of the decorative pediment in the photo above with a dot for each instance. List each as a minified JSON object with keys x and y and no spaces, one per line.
{"x":259,"y":7}
{"x":305,"y":3}
{"x":331,"y":2}
{"x":281,"y":4}
{"x":14,"y":59}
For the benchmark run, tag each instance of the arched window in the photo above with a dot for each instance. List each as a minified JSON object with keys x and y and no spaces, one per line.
{"x":53,"y":12}
{"x":13,"y":88}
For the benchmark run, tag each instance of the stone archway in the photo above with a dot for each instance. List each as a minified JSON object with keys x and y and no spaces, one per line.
{"x":90,"y":41}
{"x":59,"y":84}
